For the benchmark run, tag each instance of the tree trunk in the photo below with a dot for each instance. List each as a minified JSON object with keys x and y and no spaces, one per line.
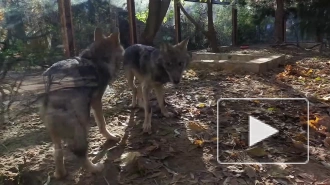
{"x":212,"y":34}
{"x":91,"y":11}
{"x":279,"y":22}
{"x":156,"y":14}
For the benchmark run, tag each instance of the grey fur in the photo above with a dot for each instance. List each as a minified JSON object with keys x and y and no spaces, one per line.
{"x":74,"y":87}
{"x":153,"y":68}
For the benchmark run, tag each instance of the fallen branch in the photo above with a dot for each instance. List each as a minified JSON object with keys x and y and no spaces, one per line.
{"x":105,"y":148}
{"x":289,"y":44}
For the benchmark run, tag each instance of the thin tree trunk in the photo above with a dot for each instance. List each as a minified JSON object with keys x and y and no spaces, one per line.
{"x":279,"y":22}
{"x":212,"y":34}
{"x":156,"y":14}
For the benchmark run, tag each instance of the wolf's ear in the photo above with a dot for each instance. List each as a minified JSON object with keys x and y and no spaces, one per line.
{"x":165,"y":47}
{"x":115,"y":37}
{"x":98,"y":35}
{"x":182,"y":45}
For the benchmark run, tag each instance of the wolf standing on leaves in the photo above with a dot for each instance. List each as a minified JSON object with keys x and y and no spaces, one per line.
{"x":153,"y":68}
{"x":73,"y":87}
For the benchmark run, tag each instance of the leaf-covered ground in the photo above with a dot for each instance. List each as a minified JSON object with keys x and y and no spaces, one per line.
{"x":183,"y":149}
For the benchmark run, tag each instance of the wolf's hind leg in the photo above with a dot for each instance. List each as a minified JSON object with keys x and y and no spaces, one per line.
{"x":131,"y":85}
{"x":100,"y":121}
{"x":60,"y":171}
{"x":79,"y":147}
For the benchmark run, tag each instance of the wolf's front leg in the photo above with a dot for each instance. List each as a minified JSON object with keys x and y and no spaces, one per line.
{"x":139,"y":97}
{"x":147,"y":108}
{"x":159,"y":91}
{"x":99,"y":118}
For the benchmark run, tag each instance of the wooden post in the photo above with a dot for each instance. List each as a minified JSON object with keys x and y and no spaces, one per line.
{"x":284,"y":29}
{"x":131,"y":20}
{"x":177,"y":23}
{"x":234,"y":26}
{"x":64,"y":8}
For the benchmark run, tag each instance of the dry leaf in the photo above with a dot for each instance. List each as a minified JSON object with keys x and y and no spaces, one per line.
{"x":299,"y":144}
{"x":301,"y":137}
{"x":194,"y":112}
{"x":309,"y":72}
{"x":326,"y":142}
{"x":250,"y":172}
{"x":318,"y":78}
{"x":215,"y":139}
{"x":128,"y":158}
{"x":257,"y":152}
{"x":271,"y":109}
{"x":312,"y":123}
{"x":199,"y":142}
{"x":195,"y":126}
{"x":326,"y":98}
{"x":201,"y":105}
{"x":150,"y":148}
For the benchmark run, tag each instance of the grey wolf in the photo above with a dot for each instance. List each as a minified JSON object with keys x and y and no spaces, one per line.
{"x":74,"y":87}
{"x":152,"y":68}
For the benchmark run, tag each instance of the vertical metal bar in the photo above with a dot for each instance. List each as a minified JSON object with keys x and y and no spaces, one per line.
{"x":64,"y":7}
{"x":132,"y":23}
{"x":234,"y":26}
{"x":177,"y":23}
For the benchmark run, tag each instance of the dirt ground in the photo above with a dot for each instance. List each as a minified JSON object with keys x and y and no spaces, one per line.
{"x":183,"y":149}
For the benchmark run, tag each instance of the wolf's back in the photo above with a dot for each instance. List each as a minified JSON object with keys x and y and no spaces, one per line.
{"x":133,"y":54}
{"x":71,"y":73}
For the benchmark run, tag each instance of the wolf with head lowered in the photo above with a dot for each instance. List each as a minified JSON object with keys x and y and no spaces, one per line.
{"x":74,"y":87}
{"x":153,"y":68}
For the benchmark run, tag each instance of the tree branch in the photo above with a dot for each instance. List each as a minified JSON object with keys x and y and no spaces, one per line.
{"x":164,"y":5}
{"x":191,"y":19}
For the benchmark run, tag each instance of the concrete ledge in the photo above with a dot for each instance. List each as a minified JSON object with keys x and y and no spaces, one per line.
{"x":236,"y":62}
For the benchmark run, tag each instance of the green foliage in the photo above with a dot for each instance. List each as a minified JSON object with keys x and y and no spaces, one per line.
{"x":246,"y":25}
{"x":314,"y":16}
{"x":142,"y":16}
{"x":223,"y":23}
{"x":169,"y":16}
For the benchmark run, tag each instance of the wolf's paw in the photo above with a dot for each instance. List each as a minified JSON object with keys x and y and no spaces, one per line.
{"x":167,"y":104}
{"x":96,"y":168}
{"x":109,"y":136}
{"x":60,"y":174}
{"x":147,"y":127}
{"x":132,"y":106}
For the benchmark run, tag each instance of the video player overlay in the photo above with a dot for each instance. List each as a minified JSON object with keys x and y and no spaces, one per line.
{"x":267,"y":131}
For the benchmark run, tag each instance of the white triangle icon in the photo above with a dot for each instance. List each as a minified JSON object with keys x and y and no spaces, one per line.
{"x":259,"y":131}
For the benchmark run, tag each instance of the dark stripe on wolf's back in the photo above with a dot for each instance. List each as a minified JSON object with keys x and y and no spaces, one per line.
{"x":80,"y":72}
{"x":62,"y":103}
{"x":139,"y":57}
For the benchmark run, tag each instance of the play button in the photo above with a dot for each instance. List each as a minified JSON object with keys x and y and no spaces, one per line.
{"x":259,"y":131}
{"x":251,"y":130}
